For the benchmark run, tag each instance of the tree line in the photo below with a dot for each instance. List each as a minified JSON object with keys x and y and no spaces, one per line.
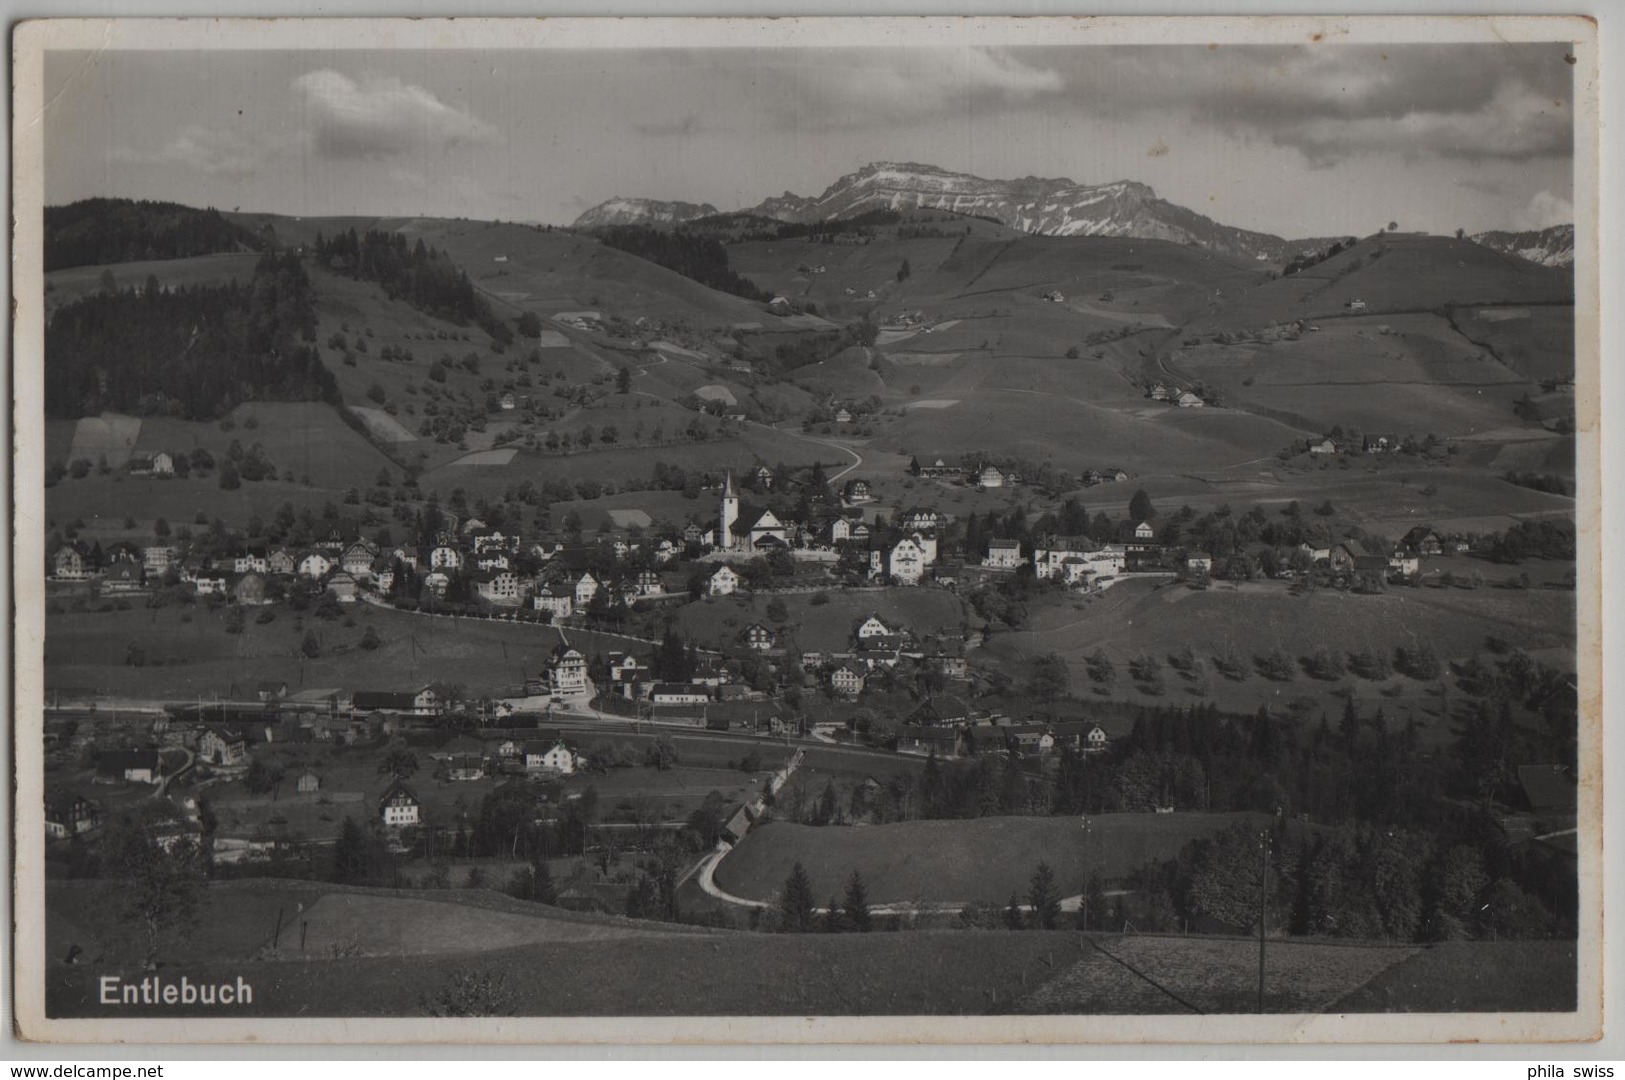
{"x":195,"y":352}
{"x":98,"y":231}
{"x":419,"y":274}
{"x":699,"y":258}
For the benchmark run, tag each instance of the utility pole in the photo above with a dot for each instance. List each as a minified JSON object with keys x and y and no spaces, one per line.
{"x":1263,"y":893}
{"x":1085,"y":904}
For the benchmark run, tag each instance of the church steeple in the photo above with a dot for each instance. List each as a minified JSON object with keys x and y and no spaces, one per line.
{"x":728,"y":485}
{"x":729,"y":513}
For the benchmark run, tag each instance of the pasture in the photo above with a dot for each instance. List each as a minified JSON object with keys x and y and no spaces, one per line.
{"x":955,"y":861}
{"x":824,"y":627}
{"x":63,"y":287}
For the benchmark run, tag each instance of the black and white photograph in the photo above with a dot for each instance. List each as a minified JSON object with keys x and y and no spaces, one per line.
{"x":1012,"y":530}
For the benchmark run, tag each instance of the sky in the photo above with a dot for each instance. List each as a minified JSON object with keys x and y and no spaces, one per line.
{"x":1301,"y":140}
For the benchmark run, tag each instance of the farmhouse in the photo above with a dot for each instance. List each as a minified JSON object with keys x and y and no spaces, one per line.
{"x":68,"y":814}
{"x":499,"y":587}
{"x":650,"y":583}
{"x":550,"y":755}
{"x":872,"y":627}
{"x":155,"y":558}
{"x":313,"y":565}
{"x":1144,"y":532}
{"x":1423,"y":540}
{"x":586,"y":587}
{"x":1188,"y":400}
{"x":343,"y":586}
{"x":399,"y":806}
{"x":1198,"y":562}
{"x":1404,"y":563}
{"x":281,"y":562}
{"x":271,"y":690}
{"x":858,"y":491}
{"x":155,"y":463}
{"x":465,"y":767}
{"x":358,"y":558}
{"x":763,"y":476}
{"x":507,"y":402}
{"x":223,"y":746}
{"x":990,"y":476}
{"x":123,"y":577}
{"x":842,"y":416}
{"x":848,"y":678}
{"x":128,"y":766}
{"x":308,"y":782}
{"x":1324,"y":446}
{"x":1002,"y":555}
{"x":759,"y":637}
{"x":722,"y":582}
{"x":921,"y":520}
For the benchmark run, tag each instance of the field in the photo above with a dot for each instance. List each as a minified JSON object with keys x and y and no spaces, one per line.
{"x":1504,"y":976}
{"x":827,"y":626}
{"x":957,"y":861}
{"x":188,"y":653}
{"x":62,"y":287}
{"x":1147,"y":617}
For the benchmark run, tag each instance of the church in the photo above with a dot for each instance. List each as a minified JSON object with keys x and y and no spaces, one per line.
{"x":766,"y":535}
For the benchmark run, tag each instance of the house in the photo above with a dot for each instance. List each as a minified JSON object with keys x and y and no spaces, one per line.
{"x":1356,"y":305}
{"x":445,"y":557}
{"x":650,"y":583}
{"x":550,"y":755}
{"x":763,"y":477}
{"x":679,"y":694}
{"x":937,"y":470}
{"x":1340,"y":558}
{"x":399,"y":805}
{"x":759,"y":637}
{"x":383,"y":574}
{"x":436,"y":582}
{"x":307,"y":783}
{"x":128,"y":766}
{"x":358,"y":558}
{"x":1114,"y":475}
{"x":210,"y":582}
{"x":1371,"y":569}
{"x":69,"y":814}
{"x":123,"y":577}
{"x":1002,"y":555}
{"x":921,"y":520}
{"x":69,"y":563}
{"x":1423,"y":540}
{"x":1324,"y":446}
{"x":722,"y":582}
{"x":343,"y":586}
{"x":1028,"y":739}
{"x":990,"y":476}
{"x":313,"y":565}
{"x":249,"y":590}
{"x":1143,"y":532}
{"x":281,"y":562}
{"x":848,"y":678}
{"x":1405,"y":563}
{"x":1159,"y":392}
{"x":1090,"y":477}
{"x":859,"y":532}
{"x":842,"y":416}
{"x":872,"y":627}
{"x":1378,"y":444}
{"x":858,"y":491}
{"x":155,"y":463}
{"x":121,"y":551}
{"x":507,"y":402}
{"x":222,"y":746}
{"x":1198,"y":562}
{"x":1096,"y":740}
{"x":465,"y":767}
{"x":567,"y":674}
{"x":906,"y":562}
{"x":271,"y":690}
{"x":586,"y":587}
{"x":508,"y":748}
{"x":779,"y":305}
{"x":557,"y":600}
{"x":155,"y":558}
{"x":1188,"y":400}
{"x":499,"y":587}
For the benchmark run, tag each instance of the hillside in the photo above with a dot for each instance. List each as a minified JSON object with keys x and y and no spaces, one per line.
{"x":100,"y":231}
{"x":620,"y":211}
{"x":1552,"y":246}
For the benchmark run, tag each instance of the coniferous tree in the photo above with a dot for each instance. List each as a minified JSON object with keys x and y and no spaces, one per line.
{"x":796,"y":901}
{"x":1044,"y":898}
{"x":856,"y":905}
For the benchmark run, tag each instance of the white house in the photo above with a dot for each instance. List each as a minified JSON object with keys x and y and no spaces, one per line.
{"x":399,"y":806}
{"x":1188,"y":400}
{"x":313,"y":565}
{"x":554,"y":599}
{"x":445,"y":557}
{"x":723,"y":582}
{"x":1003,"y":554}
{"x":872,"y":627}
{"x":567,"y":673}
{"x":906,"y":562}
{"x":990,"y":476}
{"x":586,"y":587}
{"x":550,"y":756}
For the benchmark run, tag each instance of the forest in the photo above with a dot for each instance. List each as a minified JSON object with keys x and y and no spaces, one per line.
{"x":194,"y":352}
{"x":99,"y":231}
{"x":420,"y":275}
{"x":698,"y":258}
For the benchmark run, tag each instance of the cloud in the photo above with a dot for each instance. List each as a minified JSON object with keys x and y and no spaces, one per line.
{"x":212,"y":151}
{"x":382,"y":117}
{"x":1331,"y":102}
{"x":1545,"y":209}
